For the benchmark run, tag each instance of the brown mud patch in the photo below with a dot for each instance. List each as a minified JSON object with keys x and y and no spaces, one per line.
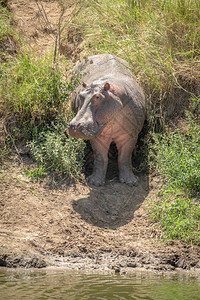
{"x":81,"y":227}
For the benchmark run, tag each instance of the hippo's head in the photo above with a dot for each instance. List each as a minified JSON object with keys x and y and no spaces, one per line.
{"x":98,"y":104}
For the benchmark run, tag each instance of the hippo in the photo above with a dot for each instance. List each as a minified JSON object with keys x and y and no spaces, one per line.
{"x":109,"y":107}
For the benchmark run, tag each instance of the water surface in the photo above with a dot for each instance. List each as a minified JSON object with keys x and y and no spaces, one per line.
{"x":74,"y":286}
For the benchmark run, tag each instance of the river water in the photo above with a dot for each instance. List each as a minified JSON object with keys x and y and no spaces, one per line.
{"x":60,"y":285}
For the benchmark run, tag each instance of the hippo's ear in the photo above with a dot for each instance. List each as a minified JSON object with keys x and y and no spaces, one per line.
{"x":106,"y":86}
{"x":84,"y":85}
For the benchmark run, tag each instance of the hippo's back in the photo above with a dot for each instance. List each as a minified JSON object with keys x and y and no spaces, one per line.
{"x":106,"y":67}
{"x":103,"y":65}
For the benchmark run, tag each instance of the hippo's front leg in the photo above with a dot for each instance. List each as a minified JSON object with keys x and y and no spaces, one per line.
{"x":125,"y":148}
{"x":100,"y":148}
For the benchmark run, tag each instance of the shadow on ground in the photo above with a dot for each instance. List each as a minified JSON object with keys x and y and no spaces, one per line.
{"x":113,"y":205}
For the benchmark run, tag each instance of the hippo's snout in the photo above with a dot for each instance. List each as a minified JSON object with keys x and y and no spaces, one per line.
{"x":81,"y":130}
{"x":84,"y":130}
{"x":74,"y":130}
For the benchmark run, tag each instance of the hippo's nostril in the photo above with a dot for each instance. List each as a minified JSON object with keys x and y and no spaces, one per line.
{"x":78,"y":125}
{"x":73,"y":127}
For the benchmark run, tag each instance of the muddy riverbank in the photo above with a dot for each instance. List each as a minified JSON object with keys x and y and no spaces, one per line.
{"x":82,"y":227}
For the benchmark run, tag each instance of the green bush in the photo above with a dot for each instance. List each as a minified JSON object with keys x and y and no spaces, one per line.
{"x":33,"y":90}
{"x":37,"y":96}
{"x":176,"y":156}
{"x":177,"y":215}
{"x":55,"y":152}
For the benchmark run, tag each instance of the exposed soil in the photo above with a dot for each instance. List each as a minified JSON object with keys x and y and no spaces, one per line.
{"x":82,"y":227}
{"x":37,"y":21}
{"x":74,"y":225}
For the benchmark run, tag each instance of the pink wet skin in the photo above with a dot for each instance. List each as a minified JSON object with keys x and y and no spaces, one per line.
{"x":112,"y":132}
{"x":125,"y":143}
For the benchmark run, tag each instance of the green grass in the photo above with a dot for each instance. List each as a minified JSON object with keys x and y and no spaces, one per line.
{"x":34,"y":95}
{"x":176,"y":215}
{"x":56,"y":152}
{"x":32,"y":89}
{"x":9,"y":38}
{"x":4,"y":21}
{"x":37,"y":173}
{"x":38,"y":97}
{"x":176,"y":157}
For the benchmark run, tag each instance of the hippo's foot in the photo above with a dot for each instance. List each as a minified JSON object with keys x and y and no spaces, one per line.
{"x":96,"y":180}
{"x":126,"y":176}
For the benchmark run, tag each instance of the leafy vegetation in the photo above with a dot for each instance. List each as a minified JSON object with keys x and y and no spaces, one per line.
{"x":176,"y":156}
{"x":33,"y":90}
{"x":176,"y":214}
{"x":54,"y":151}
{"x":37,"y":173}
{"x":35,"y":109}
{"x":9,"y":39}
{"x":37,"y":95}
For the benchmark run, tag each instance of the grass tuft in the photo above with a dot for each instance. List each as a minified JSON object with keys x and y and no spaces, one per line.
{"x":9,"y":39}
{"x":36,"y":174}
{"x":56,"y":152}
{"x":33,"y":90}
{"x":177,"y":215}
{"x":176,"y":156}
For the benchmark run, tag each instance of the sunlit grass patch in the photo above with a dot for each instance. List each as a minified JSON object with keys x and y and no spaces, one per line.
{"x":176,"y":156}
{"x":36,"y":95}
{"x":177,"y":215}
{"x":32,"y":89}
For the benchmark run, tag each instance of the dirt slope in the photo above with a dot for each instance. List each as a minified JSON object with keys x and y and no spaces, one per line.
{"x":77,"y":226}
{"x":38,"y":21}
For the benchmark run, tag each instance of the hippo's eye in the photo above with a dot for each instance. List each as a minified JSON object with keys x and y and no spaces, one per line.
{"x":97,"y":97}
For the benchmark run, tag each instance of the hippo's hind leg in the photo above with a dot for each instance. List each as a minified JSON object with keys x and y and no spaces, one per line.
{"x":100,"y":148}
{"x":125,"y":148}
